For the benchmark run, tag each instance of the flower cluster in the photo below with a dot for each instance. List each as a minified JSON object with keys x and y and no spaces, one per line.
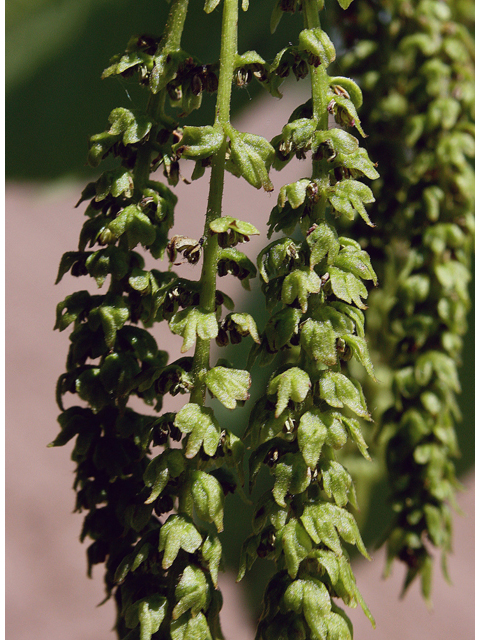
{"x":153,"y":485}
{"x":420,"y":116}
{"x":154,"y":518}
{"x":315,"y":290}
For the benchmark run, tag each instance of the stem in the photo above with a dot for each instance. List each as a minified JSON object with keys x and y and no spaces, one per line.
{"x":228,"y":51}
{"x":170,"y":42}
{"x":174,"y":27}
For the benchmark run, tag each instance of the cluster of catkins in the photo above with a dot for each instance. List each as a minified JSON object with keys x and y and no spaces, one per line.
{"x":154,"y":517}
{"x":420,"y":113}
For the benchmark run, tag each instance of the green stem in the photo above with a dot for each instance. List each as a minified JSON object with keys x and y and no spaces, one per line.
{"x":174,"y":28}
{"x":228,"y":52}
{"x":170,"y":42}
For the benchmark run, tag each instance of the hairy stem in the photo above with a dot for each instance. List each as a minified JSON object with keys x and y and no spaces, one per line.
{"x":214,"y":206}
{"x":174,"y":27}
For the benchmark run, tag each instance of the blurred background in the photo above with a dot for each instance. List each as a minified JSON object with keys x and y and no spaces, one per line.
{"x":56,"y":51}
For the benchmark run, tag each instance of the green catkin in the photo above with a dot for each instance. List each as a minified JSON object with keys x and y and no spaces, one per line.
{"x":154,"y":518}
{"x":148,"y":515}
{"x":419,"y":114}
{"x":314,"y":288}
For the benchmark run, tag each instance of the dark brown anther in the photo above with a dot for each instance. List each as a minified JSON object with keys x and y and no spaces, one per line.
{"x":289,"y":6}
{"x":185,"y":299}
{"x":162,"y":136}
{"x":300,"y":154}
{"x":96,"y":206}
{"x":209,"y":79}
{"x":180,"y":150}
{"x":294,"y":340}
{"x":147,"y":43}
{"x":222,"y":338}
{"x":128,"y":73}
{"x":79,"y":269}
{"x":172,"y":172}
{"x":314,"y":60}
{"x":177,"y":136}
{"x":235,"y":270}
{"x":235,"y":337}
{"x":196,"y":85}
{"x":283,"y":70}
{"x":163,"y":504}
{"x":171,"y":250}
{"x":300,"y":70}
{"x":160,"y":434}
{"x":169,"y":305}
{"x":175,"y":433}
{"x":193,"y":255}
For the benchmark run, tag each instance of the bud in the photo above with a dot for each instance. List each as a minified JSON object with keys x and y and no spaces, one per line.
{"x":106,"y":237}
{"x":343,"y":117}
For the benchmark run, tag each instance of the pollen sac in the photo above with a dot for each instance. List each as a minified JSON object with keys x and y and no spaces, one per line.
{"x":190,"y":248}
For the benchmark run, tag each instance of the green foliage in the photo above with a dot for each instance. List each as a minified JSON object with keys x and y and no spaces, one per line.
{"x":154,"y":516}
